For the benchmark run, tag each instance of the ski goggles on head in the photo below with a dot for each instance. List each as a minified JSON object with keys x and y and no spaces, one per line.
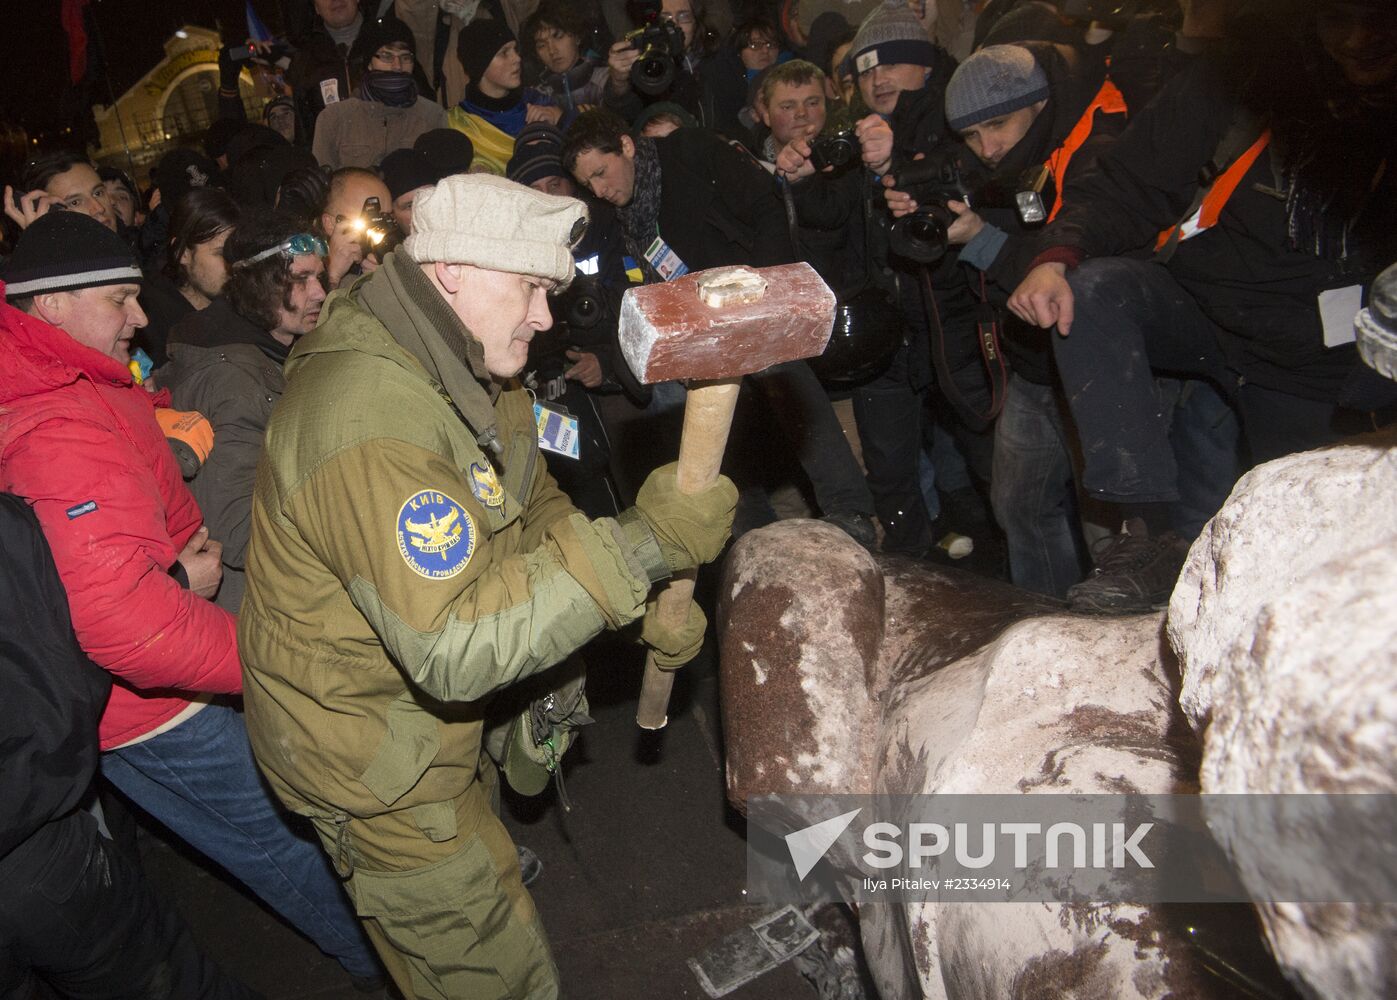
{"x":297,"y":246}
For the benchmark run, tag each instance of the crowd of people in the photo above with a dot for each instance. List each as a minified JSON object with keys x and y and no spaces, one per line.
{"x":328,"y":432}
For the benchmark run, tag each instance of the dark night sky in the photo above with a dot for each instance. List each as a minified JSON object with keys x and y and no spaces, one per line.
{"x":34,"y":51}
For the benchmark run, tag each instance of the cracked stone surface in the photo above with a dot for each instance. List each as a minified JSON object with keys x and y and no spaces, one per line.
{"x":842,"y":673}
{"x":1285,"y":624}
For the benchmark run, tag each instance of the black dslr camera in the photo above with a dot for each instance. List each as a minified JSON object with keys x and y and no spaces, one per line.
{"x":376,"y":230}
{"x":933,"y":182}
{"x":661,"y":45}
{"x":580,"y":307}
{"x":836,"y":149}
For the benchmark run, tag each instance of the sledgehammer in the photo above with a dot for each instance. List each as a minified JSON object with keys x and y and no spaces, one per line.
{"x":711,"y":328}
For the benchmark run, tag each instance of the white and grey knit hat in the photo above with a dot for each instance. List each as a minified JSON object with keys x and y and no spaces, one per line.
{"x":490,"y":222}
{"x":994,"y":81}
{"x":891,"y":34}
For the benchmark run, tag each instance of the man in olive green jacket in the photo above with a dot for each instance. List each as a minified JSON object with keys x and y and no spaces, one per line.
{"x":410,"y":557}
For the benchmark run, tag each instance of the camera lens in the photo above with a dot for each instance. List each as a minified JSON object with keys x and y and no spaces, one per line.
{"x":920,"y":236}
{"x":585,"y":311}
{"x":653,"y":74}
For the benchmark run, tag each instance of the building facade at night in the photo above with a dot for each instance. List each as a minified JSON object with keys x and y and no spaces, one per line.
{"x":172,"y":104}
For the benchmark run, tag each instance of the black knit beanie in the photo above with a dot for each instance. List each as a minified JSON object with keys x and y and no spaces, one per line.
{"x":65,"y":251}
{"x":449,"y":150}
{"x":389,"y":31}
{"x":538,"y":153}
{"x":407,"y":170}
{"x":480,"y":42}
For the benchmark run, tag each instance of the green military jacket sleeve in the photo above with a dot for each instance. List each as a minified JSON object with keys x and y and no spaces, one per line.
{"x":471,"y":578}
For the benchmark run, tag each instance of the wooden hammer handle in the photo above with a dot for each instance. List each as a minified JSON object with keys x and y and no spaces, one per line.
{"x":707,"y":421}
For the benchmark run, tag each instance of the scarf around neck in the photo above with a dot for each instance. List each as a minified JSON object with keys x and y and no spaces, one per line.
{"x":640,"y":218}
{"x":506,"y":113}
{"x":403,"y":299}
{"x":386,"y":86}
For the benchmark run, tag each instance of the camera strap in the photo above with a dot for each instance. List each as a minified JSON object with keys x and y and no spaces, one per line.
{"x":792,"y":221}
{"x":991,"y":355}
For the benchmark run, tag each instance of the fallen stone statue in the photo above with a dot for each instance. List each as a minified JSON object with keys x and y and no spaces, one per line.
{"x":845,"y":673}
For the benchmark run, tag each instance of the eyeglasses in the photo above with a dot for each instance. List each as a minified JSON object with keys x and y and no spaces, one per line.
{"x":760,"y":46}
{"x":682,"y":17}
{"x":392,"y":58}
{"x":297,"y":246}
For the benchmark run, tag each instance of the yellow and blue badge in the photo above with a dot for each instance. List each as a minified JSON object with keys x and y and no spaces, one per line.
{"x":436,"y":535}
{"x":486,"y":485}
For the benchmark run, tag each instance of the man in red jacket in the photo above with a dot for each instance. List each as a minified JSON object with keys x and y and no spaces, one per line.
{"x":79,"y":441}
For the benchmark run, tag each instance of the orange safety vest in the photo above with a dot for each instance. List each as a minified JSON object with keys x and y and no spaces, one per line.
{"x":1108,"y":100}
{"x":1217,"y":195}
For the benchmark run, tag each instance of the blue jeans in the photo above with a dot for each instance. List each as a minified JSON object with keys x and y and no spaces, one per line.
{"x":1032,"y":491}
{"x":199,"y":779}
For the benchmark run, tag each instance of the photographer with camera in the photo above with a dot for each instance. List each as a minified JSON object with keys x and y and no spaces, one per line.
{"x":356,"y":211}
{"x":660,"y":60}
{"x":1036,"y":126}
{"x":844,"y":226}
{"x":690,"y":201}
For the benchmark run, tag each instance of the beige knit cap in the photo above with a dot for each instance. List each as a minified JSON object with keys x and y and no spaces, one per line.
{"x":493,"y":223}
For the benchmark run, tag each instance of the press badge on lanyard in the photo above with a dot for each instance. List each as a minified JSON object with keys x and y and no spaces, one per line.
{"x":665,"y":261}
{"x":557,"y":430}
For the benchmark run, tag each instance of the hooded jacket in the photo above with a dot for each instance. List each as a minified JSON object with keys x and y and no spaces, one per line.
{"x":79,"y":442}
{"x":217,"y":368}
{"x":402,"y":568}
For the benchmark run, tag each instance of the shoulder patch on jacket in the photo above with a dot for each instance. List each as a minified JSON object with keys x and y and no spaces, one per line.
{"x":81,"y":509}
{"x":486,"y":485}
{"x":436,"y":535}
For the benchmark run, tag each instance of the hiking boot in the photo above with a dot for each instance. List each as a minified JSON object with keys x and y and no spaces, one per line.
{"x":1134,"y":572}
{"x":859,"y":527}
